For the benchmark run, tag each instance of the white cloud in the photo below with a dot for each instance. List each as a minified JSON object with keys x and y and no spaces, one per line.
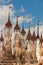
{"x":21,"y":9}
{"x":26,"y":18}
{"x":11,"y":5}
{"x":29,"y":19}
{"x":1,"y":27}
{"x":4,"y":9}
{"x":5,"y":1}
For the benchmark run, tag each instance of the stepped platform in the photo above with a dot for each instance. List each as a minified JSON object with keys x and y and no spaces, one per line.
{"x":10,"y":60}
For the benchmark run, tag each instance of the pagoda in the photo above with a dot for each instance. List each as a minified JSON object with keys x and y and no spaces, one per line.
{"x":17,"y":28}
{"x":38,"y":44}
{"x":17,"y":41}
{"x":8,"y":26}
{"x":29,"y":45}
{"x":23,"y":32}
{"x":33,"y":46}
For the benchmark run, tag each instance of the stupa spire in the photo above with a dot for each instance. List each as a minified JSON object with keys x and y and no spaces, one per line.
{"x":8,"y":24}
{"x":23,"y":32}
{"x":38,"y":30}
{"x":29,"y":33}
{"x":16,"y":26}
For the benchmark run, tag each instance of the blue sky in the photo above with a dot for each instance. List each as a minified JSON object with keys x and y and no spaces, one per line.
{"x":33,"y":9}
